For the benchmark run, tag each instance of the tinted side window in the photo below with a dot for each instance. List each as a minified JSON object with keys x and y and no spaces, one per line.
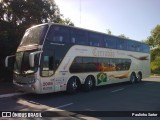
{"x":119,"y":65}
{"x":113,"y":63}
{"x":89,"y":64}
{"x":77,"y":65}
{"x":139,"y":47}
{"x":103,"y":64}
{"x":95,"y":39}
{"x":79,"y":37}
{"x":146,"y":48}
{"x":109,"y":42}
{"x":121,"y":44}
{"x":58,"y":34}
{"x":123,"y":64}
{"x":131,"y":46}
{"x":126,"y":64}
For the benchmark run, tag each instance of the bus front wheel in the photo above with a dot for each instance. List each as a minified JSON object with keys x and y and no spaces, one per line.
{"x":72,"y":85}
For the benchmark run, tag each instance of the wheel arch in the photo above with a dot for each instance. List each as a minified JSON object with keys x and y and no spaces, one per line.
{"x":140,"y":72}
{"x":133,"y":72}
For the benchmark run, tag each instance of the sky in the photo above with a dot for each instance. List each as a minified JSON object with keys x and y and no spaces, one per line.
{"x":133,"y":18}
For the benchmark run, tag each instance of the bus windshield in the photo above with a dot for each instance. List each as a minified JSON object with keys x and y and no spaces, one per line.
{"x":34,"y":36}
{"x":22,"y":66}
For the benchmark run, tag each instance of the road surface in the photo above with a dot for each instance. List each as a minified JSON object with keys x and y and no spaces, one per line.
{"x":144,"y":96}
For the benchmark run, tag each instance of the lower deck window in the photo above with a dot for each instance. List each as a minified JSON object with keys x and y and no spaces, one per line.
{"x":92,"y":64}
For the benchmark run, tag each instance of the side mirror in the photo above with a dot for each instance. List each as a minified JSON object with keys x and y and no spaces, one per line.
{"x":6,"y":60}
{"x":31,"y":57}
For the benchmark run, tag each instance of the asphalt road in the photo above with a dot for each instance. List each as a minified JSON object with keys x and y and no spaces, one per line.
{"x":144,"y":96}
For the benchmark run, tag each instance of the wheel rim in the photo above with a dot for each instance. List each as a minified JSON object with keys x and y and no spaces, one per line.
{"x":132,"y":78}
{"x":74,"y":85}
{"x":139,"y":78}
{"x":90,"y":83}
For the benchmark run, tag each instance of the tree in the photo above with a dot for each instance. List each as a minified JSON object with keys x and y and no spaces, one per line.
{"x":154,"y":41}
{"x":123,"y":36}
{"x":68,"y":22}
{"x":29,"y":11}
{"x":108,"y":31}
{"x":18,"y":15}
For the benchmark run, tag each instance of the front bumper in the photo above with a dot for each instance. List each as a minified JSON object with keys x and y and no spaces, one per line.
{"x":29,"y":88}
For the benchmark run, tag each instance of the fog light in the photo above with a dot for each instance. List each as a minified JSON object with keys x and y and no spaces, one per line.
{"x":31,"y":81}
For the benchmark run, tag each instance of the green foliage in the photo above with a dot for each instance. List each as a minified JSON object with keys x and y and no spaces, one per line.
{"x":155,"y":61}
{"x":109,"y":31}
{"x":155,"y":33}
{"x":155,"y":53}
{"x":150,"y":41}
{"x":68,"y":22}
{"x":123,"y":36}
{"x":155,"y":66}
{"x":154,"y":42}
{"x":29,"y":11}
{"x":154,"y":39}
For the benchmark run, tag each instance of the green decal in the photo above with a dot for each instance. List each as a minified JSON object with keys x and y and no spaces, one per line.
{"x":101,"y":77}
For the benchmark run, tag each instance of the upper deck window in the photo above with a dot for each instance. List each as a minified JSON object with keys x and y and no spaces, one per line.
{"x":58,"y":34}
{"x":146,"y":48}
{"x":136,"y":46}
{"x":121,"y":44}
{"x":79,"y":37}
{"x":131,"y":45}
{"x":139,"y":47}
{"x":71,"y":35}
{"x":109,"y":42}
{"x":95,"y":39}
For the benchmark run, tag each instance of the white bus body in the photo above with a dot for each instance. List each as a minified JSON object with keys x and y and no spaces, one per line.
{"x":108,"y":66}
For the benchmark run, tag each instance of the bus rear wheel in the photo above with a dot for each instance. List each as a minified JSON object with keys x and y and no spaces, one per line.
{"x":72,"y":85}
{"x":139,"y":77}
{"x":89,"y":83}
{"x":133,"y":78}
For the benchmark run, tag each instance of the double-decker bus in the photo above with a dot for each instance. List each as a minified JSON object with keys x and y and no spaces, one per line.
{"x":54,"y":57}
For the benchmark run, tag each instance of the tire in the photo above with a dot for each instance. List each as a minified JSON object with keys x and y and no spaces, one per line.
{"x":139,"y":77}
{"x":132,"y":78}
{"x":89,"y":83}
{"x":72,"y":85}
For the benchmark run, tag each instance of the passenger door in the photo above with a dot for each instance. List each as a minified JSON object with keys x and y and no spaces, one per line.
{"x":47,"y":71}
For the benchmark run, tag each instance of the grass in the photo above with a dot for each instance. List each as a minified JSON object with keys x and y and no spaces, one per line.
{"x":155,"y":73}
